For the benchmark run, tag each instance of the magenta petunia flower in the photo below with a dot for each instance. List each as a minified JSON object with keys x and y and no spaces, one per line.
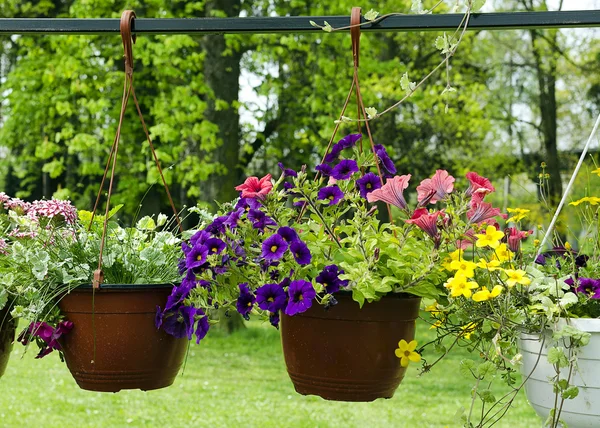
{"x":300,"y":252}
{"x":332,"y":193}
{"x":435,"y":188}
{"x":255,"y":188}
{"x":344,"y":169}
{"x":514,"y":237}
{"x":367,"y":183}
{"x":426,"y":222}
{"x":300,"y":297}
{"x":478,"y":186}
{"x":392,"y":191}
{"x":271,"y":297}
{"x":274,"y":247}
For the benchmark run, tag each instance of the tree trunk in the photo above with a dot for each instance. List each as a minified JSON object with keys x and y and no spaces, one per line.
{"x":222,"y":73}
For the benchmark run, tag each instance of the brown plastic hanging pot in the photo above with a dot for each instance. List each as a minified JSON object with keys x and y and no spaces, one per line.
{"x":347,"y":353}
{"x":114,"y":343}
{"x":8,"y":327}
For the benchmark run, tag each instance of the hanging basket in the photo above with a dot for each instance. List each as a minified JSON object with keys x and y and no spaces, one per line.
{"x":8,"y":328}
{"x":114,"y":343}
{"x":130,"y":353}
{"x":346,"y":353}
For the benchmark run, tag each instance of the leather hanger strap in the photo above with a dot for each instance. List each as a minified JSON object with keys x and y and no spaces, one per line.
{"x":355,"y":33}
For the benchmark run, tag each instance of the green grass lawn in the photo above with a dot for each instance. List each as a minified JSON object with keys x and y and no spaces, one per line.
{"x":237,"y":380}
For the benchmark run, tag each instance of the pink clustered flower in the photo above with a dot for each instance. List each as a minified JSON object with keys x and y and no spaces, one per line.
{"x":255,"y":188}
{"x":55,"y":208}
{"x":3,"y":246}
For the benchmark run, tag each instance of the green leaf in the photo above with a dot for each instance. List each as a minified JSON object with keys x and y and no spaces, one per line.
{"x":486,"y":368}
{"x":487,"y":396}
{"x":477,"y":5}
{"x":557,"y":356}
{"x":570,"y":393}
{"x":371,"y":15}
{"x":466,"y":367}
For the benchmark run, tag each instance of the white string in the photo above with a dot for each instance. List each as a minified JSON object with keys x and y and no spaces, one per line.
{"x":569,"y":186}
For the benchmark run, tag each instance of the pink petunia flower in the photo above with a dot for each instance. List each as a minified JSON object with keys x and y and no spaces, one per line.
{"x":435,"y":188}
{"x":514,"y":237}
{"x":478,"y":186}
{"x":391,"y":192}
{"x":255,"y":188}
{"x":482,"y":211}
{"x":427,"y":222}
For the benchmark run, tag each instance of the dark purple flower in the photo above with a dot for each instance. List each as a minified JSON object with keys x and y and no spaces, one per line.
{"x":580,"y":260}
{"x":285,"y":282}
{"x":271,"y":297}
{"x":179,"y":294}
{"x":333,"y":153}
{"x":590,"y":287}
{"x":349,"y":141}
{"x":245,"y":301}
{"x":248,"y":204}
{"x":344,"y":169}
{"x":48,"y":334}
{"x":332,"y":193}
{"x":274,"y":319}
{"x":180,"y":323}
{"x":388,"y":166}
{"x":158,"y":318}
{"x":274,"y":247}
{"x":260,"y":220}
{"x":217,"y":227}
{"x":300,"y":252}
{"x":202,"y":326}
{"x":301,"y":294}
{"x":185,"y":248}
{"x":287,"y":172}
{"x":329,"y":278}
{"x":181,"y":266}
{"x":324,"y":169}
{"x":196,"y":257}
{"x":215,"y":245}
{"x":199,"y":237}
{"x":288,"y":233}
{"x":367,"y":183}
{"x":288,"y":186}
{"x":234,"y":218}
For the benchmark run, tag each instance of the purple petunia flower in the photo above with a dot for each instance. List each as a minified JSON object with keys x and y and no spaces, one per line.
{"x":324,"y":169}
{"x":234,"y":218}
{"x":329,"y":278}
{"x":345,"y":143}
{"x":199,"y":237}
{"x":287,"y":186}
{"x":196,"y":257}
{"x":300,"y":252}
{"x":180,"y":323}
{"x":248,"y":204}
{"x":158,"y":318}
{"x":271,"y":297}
{"x":48,"y":334}
{"x":202,"y":326}
{"x":215,"y":245}
{"x":274,"y":319}
{"x":274,"y":247}
{"x":245,"y":300}
{"x":181,"y":266}
{"x":368,"y":183}
{"x":344,"y":169}
{"x":301,"y":294}
{"x":260,"y":220}
{"x":217,"y":227}
{"x":388,"y":166}
{"x":288,"y":233}
{"x":332,"y":193}
{"x":185,"y":248}
{"x":181,"y":292}
{"x":590,"y":287}
{"x":287,"y":172}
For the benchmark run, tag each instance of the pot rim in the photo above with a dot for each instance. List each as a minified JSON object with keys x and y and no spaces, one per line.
{"x":124,"y":286}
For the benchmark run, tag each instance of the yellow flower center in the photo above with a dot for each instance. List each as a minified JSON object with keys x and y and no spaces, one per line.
{"x":249,"y":304}
{"x":274,"y":248}
{"x":407,"y":353}
{"x":270,"y":299}
{"x":301,"y":297}
{"x":214,"y":250}
{"x":368,"y":186}
{"x":199,"y":257}
{"x":331,"y":198}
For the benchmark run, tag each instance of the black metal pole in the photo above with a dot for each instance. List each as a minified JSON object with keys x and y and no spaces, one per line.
{"x":300,"y":24}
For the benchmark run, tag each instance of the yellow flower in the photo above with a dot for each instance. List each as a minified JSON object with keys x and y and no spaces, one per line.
{"x":492,"y":265}
{"x":567,"y":246}
{"x":455,"y":255}
{"x":485,"y":294}
{"x":436,"y":324}
{"x":491,"y":238}
{"x":592,"y":200}
{"x":468,"y":330}
{"x":503,"y":254}
{"x":464,"y":267}
{"x":406,"y":352}
{"x":519,"y":214}
{"x":596,"y":171}
{"x":516,"y":277}
{"x":459,"y":286}
{"x":536,"y":242}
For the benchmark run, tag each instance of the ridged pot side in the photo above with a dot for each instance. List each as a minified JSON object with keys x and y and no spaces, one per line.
{"x":584,"y":410}
{"x":347,"y":353}
{"x":8,"y":327}
{"x":129,"y":352}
